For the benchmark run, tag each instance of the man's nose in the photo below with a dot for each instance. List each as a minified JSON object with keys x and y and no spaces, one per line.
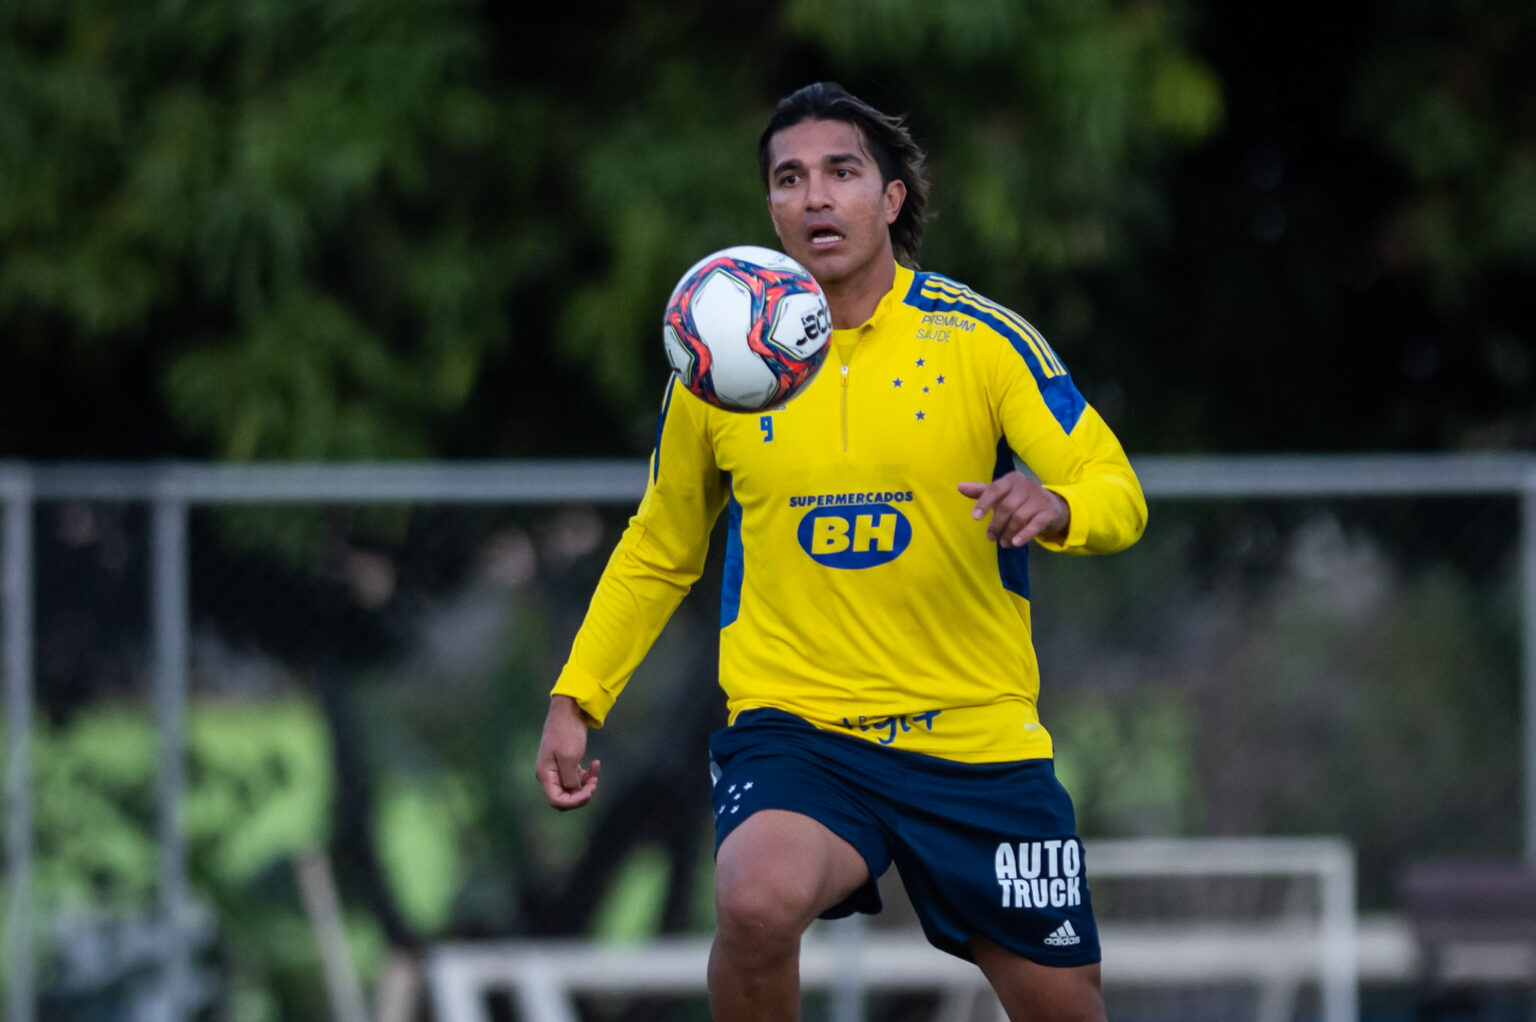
{"x":816,"y":194}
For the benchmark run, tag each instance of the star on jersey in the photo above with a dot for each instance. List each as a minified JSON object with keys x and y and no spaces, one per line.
{"x":925,"y":388}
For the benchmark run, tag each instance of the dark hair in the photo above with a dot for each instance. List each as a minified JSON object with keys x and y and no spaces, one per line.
{"x":889,"y":140}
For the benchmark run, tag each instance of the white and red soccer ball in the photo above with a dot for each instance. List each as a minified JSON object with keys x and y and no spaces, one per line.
{"x":746,"y":328}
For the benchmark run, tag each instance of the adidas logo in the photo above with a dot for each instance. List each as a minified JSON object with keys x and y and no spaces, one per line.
{"x":1064,"y":936}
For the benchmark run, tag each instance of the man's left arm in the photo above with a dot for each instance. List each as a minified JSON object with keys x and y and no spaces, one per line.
{"x":1087,"y":468}
{"x":1085,"y":497}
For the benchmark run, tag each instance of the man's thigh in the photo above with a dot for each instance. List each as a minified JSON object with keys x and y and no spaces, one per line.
{"x":789,"y":859}
{"x":805,"y":817}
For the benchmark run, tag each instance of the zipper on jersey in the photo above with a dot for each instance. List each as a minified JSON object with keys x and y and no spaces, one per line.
{"x":845,"y":408}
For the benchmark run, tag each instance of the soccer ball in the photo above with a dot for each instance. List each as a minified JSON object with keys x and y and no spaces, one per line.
{"x":746,"y":328}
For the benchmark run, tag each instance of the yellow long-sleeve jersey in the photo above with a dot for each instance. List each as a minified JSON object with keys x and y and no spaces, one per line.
{"x":859,"y":592}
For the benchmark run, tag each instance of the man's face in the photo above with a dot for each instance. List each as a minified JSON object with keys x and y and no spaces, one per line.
{"x":829,"y":207}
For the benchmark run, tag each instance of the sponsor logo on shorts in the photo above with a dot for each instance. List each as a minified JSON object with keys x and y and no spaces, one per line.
{"x":1040,"y":874}
{"x":1064,"y":936}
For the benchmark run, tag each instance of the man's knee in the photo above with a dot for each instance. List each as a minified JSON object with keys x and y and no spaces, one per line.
{"x":776,"y":872}
{"x":764,"y":910}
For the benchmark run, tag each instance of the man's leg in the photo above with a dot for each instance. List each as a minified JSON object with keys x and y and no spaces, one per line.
{"x":774,"y":874}
{"x":1032,"y":992}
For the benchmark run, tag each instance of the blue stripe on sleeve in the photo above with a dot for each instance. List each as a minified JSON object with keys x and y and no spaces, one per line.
{"x":661,"y":422}
{"x":919,"y":280}
{"x":735,"y":567}
{"x":933,"y":293}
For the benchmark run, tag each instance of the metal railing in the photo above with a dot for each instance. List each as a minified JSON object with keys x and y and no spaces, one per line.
{"x":169,"y":490}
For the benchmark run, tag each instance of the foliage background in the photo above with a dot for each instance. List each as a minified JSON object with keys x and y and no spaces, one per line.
{"x":335,"y":229}
{"x":331,"y":229}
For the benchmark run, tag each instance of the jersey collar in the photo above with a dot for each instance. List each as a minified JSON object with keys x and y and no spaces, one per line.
{"x":899,"y":287}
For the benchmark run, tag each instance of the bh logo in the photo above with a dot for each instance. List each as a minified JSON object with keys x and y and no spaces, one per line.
{"x":860,"y":536}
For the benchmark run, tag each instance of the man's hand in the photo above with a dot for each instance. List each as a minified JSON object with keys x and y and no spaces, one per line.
{"x":1021,"y":509}
{"x":567,"y":784}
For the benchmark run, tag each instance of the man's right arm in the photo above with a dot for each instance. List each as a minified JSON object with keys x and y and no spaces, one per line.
{"x":659,"y":557}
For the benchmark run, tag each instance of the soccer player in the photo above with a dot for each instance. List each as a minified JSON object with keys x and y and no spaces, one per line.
{"x":875,"y":642}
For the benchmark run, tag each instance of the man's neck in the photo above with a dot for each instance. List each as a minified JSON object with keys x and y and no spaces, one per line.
{"x":854,"y":299}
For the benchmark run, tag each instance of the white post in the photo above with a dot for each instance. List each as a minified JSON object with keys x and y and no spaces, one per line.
{"x":169,"y":602}
{"x":317,"y":885}
{"x":17,"y":605}
{"x":455,"y":998}
{"x":1527,"y":591}
{"x":849,"y":987}
{"x":1340,"y":946}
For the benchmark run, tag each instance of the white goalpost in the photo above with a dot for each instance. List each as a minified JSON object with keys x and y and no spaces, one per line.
{"x":1268,"y":920}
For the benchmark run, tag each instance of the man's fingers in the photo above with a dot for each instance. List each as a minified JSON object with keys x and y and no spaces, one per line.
{"x":549,"y":780}
{"x":580,"y":795}
{"x":575,"y":794}
{"x":1021,"y":508}
{"x":573,"y":777}
{"x":1018,"y":516}
{"x":986,"y":496}
{"x":1010,"y":511}
{"x":1017,"y":521}
{"x":1028,"y":528}
{"x":566,"y":800}
{"x":569,"y":769}
{"x":1007,"y":516}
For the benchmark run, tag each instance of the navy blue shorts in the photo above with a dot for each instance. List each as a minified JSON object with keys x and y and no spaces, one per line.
{"x":983,"y":848}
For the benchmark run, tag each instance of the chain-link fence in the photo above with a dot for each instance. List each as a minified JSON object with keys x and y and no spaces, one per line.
{"x":230,"y":690}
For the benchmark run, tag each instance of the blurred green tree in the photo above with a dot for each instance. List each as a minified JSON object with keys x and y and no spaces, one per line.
{"x":1346,"y":264}
{"x":322,"y":229}
{"x":279,"y":209}
{"x":1448,"y":95}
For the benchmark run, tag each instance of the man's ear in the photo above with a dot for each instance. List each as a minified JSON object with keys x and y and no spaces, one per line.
{"x":895,"y":195}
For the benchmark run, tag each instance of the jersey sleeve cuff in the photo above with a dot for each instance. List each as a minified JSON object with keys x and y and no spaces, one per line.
{"x":1077,"y":524}
{"x":595,"y":700}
